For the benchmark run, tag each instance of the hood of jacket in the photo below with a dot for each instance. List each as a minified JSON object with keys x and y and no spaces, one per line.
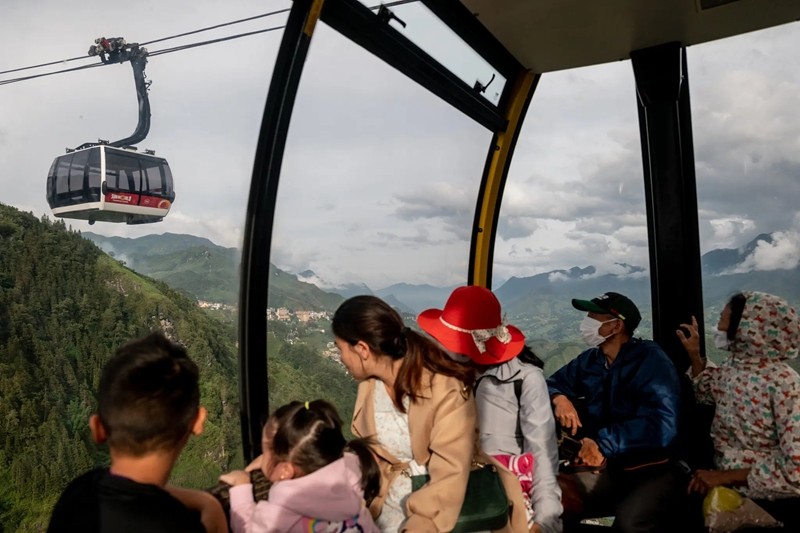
{"x":769,"y":330}
{"x":332,"y":493}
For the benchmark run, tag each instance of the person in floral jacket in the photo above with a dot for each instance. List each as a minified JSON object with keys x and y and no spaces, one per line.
{"x":756,"y":426}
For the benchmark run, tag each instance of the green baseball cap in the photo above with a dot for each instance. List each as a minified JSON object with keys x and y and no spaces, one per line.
{"x":612,"y":303}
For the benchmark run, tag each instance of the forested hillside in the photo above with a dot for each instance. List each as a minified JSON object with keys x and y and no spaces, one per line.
{"x":208,"y":271}
{"x":65,"y":306}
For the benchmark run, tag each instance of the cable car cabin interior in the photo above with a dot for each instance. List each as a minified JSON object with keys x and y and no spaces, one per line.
{"x":521,"y":42}
{"x":108,"y":184}
{"x":478,"y":72}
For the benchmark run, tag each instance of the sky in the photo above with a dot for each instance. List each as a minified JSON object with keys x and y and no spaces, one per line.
{"x":380,"y":177}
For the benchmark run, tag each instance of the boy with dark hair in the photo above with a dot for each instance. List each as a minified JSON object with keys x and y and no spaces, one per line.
{"x":148,"y":405}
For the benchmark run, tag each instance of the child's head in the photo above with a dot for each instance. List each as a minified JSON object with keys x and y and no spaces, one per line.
{"x":149,"y":398}
{"x":300,"y":438}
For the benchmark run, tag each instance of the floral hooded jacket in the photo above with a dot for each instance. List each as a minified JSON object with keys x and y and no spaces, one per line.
{"x":757,"y":396}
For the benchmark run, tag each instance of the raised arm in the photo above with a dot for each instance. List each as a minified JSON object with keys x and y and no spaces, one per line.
{"x":690,"y":338}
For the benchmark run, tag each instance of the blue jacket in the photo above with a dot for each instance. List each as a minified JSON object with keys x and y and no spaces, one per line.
{"x":630,"y":408}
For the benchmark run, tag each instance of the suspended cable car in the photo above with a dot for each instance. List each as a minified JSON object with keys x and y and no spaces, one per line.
{"x":109,"y":184}
{"x":112,"y":182}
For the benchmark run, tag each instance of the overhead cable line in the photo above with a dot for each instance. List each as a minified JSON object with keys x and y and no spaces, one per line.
{"x":51,"y":63}
{"x":45,"y":64}
{"x":25,"y":78}
{"x":212,"y":41}
{"x":271,"y":13}
{"x":176,"y":48}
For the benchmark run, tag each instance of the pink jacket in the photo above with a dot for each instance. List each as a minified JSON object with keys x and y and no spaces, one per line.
{"x":327,"y":500}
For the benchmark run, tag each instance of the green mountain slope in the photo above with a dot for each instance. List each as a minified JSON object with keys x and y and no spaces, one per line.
{"x":207,"y":271}
{"x":65,"y":306}
{"x":192,"y":264}
{"x":286,"y":291}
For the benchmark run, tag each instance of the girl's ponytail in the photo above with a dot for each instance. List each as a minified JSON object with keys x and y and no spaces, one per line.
{"x":370,"y":472}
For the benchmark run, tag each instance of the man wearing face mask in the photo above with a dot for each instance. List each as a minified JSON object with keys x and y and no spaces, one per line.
{"x":628,"y":393}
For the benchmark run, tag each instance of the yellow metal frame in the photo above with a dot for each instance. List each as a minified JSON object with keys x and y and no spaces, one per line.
{"x":493,"y":182}
{"x":313,"y":16}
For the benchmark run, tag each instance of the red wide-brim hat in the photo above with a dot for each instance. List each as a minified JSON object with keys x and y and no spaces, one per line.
{"x":471,"y":324}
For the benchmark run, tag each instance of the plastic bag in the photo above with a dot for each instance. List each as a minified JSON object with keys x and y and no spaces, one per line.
{"x":726,"y":510}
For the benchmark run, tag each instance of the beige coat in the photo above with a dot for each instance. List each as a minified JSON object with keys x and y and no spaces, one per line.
{"x":441,"y":423}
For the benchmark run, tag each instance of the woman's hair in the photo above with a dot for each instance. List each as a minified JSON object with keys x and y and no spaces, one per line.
{"x":309,"y":436}
{"x":527,"y":355}
{"x":379,"y":326}
{"x":736,"y":304}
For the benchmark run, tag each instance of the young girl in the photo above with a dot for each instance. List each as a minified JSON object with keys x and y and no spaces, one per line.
{"x":317,"y":484}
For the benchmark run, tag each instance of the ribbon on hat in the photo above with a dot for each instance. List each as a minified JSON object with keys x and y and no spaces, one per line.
{"x":480,"y":336}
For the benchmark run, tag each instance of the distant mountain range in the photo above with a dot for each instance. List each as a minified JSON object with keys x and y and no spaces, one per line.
{"x":405,"y":297}
{"x":539,"y":305}
{"x":210,"y":272}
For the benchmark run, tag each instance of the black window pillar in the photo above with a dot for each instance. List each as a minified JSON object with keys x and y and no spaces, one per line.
{"x":665,"y":125}
{"x":254,"y":285}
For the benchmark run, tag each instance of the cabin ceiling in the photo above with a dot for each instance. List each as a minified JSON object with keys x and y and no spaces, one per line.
{"x":549,"y":35}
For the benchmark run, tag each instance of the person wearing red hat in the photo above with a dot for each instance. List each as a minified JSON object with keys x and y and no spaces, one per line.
{"x":628,"y":393}
{"x":416,"y":404}
{"x":515,"y":420}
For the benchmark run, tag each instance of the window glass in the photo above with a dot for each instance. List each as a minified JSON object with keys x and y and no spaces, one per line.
{"x":95,"y":175}
{"x":427,"y":31}
{"x":179,"y":275}
{"x":126,"y":170}
{"x":152,"y":176}
{"x":573,"y":221}
{"x":377,"y":195}
{"x":167,"y":179}
{"x":744,"y":104}
{"x":62,"y":174}
{"x":77,"y":171}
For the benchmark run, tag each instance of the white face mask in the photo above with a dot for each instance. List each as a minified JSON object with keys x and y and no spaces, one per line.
{"x":721,"y":341}
{"x":590,"y":331}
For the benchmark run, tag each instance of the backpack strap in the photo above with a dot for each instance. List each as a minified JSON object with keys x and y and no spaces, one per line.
{"x":518,"y":394}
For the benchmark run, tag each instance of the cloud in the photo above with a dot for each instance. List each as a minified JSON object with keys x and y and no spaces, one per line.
{"x":729,"y":231}
{"x":557,"y":276}
{"x":380,"y":178}
{"x":783,"y":253}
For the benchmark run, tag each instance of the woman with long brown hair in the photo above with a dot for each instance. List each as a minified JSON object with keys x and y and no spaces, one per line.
{"x":416,"y":403}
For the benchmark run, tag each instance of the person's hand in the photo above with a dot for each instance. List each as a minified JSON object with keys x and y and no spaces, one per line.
{"x":237,"y":477}
{"x":255,"y":464}
{"x":566,"y":414}
{"x":535,"y":528}
{"x":691,"y":343}
{"x":690,"y":339}
{"x":705,"y":480}
{"x":590,"y":453}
